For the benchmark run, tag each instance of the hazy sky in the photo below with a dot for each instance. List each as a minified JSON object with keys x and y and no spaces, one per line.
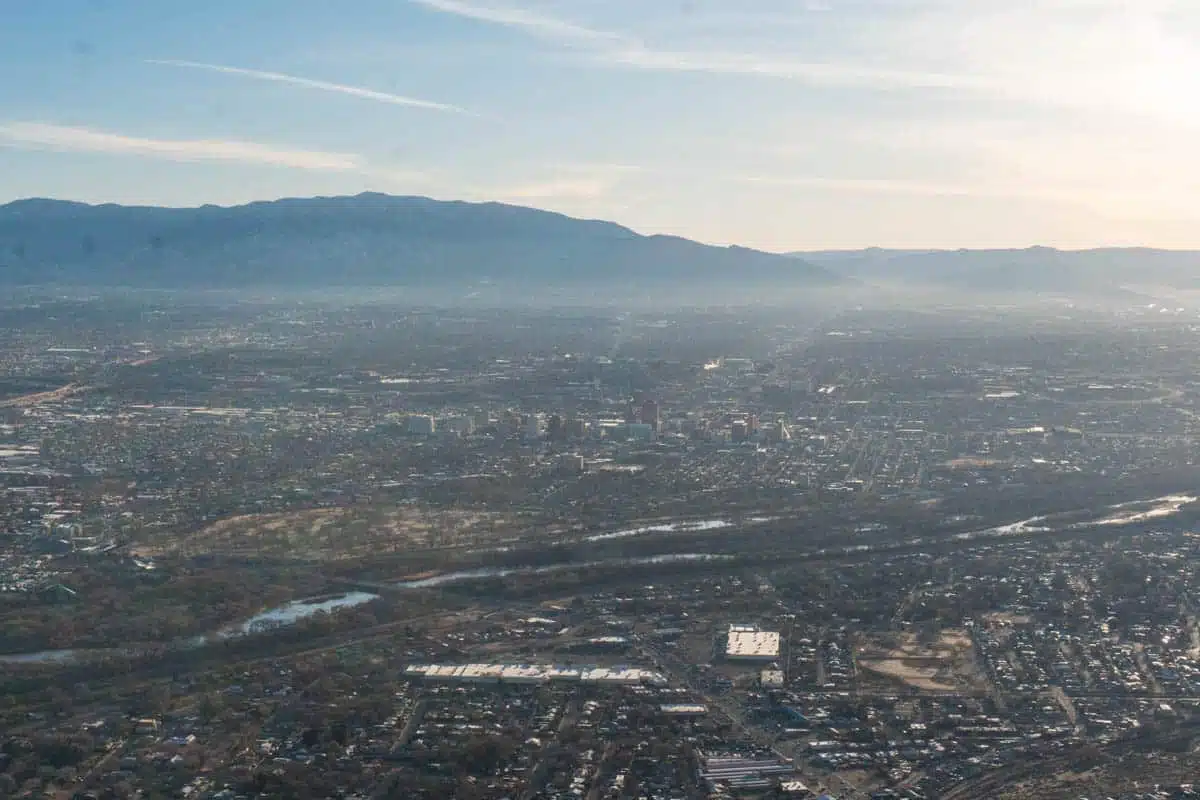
{"x":781,"y":124}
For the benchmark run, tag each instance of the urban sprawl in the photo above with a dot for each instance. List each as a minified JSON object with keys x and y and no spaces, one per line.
{"x":307,"y":550}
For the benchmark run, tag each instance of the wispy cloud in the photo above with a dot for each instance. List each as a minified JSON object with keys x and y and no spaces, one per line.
{"x":308,"y":83}
{"x":45,"y":136}
{"x":532,"y":22}
{"x":617,"y":49}
{"x":1096,"y":55}
{"x":823,"y":73}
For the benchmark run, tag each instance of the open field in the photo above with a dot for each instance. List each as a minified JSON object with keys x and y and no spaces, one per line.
{"x":943,"y":665}
{"x":337,"y":533}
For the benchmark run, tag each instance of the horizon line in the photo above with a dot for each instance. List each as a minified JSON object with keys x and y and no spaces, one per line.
{"x":793,"y":252}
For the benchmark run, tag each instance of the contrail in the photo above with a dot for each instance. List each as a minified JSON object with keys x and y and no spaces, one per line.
{"x":324,"y":86}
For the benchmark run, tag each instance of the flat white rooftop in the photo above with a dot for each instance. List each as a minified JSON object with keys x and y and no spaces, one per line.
{"x":533,"y":673}
{"x":747,"y":642}
{"x":771,"y":678}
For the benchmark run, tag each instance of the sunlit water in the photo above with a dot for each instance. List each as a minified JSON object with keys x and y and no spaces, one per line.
{"x":463,"y":576}
{"x":271,"y":618}
{"x":683,"y":526}
{"x":1119,"y":514}
{"x":667,"y":527}
{"x":295,"y":611}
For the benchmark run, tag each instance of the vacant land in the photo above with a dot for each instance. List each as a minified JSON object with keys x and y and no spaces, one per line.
{"x":941,"y":665}
{"x":339,"y":533}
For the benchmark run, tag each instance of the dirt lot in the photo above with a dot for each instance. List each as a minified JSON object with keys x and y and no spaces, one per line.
{"x":943,"y":665}
{"x":325,"y":534}
{"x":1005,"y":619}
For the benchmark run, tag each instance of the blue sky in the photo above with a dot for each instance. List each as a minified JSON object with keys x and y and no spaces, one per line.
{"x":781,"y":124}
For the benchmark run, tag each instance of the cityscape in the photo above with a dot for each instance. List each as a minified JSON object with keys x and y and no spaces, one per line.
{"x":317,"y":550}
{"x":600,"y":400}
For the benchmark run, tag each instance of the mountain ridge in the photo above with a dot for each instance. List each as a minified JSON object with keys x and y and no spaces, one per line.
{"x":1036,"y":269}
{"x":367,"y":239}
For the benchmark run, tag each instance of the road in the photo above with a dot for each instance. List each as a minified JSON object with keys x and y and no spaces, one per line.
{"x":735,"y":713}
{"x":115,"y":750}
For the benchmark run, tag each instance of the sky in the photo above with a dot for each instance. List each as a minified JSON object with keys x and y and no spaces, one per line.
{"x":777,"y":124}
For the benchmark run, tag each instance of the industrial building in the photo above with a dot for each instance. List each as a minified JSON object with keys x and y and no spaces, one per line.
{"x":533,"y":673}
{"x":750,"y":772}
{"x":748,"y":643}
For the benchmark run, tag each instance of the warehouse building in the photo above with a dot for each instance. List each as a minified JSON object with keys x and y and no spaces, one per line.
{"x":748,"y":643}
{"x":533,"y":673}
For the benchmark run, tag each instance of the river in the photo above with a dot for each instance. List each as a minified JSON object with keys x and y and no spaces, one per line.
{"x":1119,"y":514}
{"x":462,"y":576}
{"x":683,"y":526}
{"x":272,"y":617}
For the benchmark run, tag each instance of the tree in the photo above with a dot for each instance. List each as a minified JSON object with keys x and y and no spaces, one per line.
{"x":485,"y":754}
{"x":210,"y":706}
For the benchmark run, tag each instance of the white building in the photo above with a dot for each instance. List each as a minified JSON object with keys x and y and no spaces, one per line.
{"x":748,"y":643}
{"x":771,"y":679}
{"x":533,"y":673}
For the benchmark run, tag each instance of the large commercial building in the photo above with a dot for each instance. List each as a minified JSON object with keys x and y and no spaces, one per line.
{"x":532,"y":673}
{"x":748,"y":643}
{"x":743,"y":772}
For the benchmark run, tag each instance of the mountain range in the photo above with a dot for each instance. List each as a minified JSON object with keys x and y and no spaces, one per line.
{"x":1041,"y":270}
{"x":498,"y":251}
{"x":368,"y":240}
